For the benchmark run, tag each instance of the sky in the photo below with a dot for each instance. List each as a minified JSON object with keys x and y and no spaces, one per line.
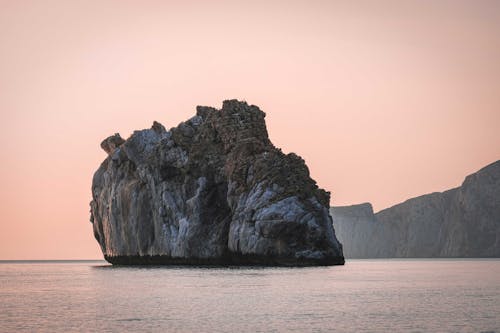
{"x":385,"y":100}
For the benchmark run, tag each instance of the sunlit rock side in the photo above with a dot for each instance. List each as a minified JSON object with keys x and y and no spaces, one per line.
{"x":213,"y":190}
{"x":461,"y":222}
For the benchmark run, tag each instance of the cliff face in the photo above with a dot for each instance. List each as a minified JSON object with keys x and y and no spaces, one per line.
{"x":213,"y":190}
{"x":461,"y":222}
{"x":355,"y":226}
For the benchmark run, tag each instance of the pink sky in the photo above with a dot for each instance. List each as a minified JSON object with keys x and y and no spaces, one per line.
{"x":384,"y":100}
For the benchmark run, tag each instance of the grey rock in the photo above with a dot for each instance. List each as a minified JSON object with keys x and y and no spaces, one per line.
{"x":461,"y":222}
{"x":111,"y":143}
{"x":213,"y":190}
{"x":355,"y":225}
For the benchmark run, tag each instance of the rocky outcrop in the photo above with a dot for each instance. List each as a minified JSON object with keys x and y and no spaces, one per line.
{"x":355,"y":226}
{"x":461,"y":222}
{"x":213,"y":190}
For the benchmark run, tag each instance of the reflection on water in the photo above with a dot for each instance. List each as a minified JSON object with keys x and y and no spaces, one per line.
{"x":364,"y":295}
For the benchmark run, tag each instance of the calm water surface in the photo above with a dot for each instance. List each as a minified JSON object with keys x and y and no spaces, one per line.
{"x":362,"y":296}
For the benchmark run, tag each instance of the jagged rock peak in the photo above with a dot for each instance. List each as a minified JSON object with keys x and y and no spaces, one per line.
{"x":214,"y":189}
{"x":111,"y":143}
{"x":158,"y":128}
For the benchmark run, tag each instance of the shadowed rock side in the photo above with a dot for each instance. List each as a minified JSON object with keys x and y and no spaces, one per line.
{"x":213,"y":190}
{"x":461,"y":222}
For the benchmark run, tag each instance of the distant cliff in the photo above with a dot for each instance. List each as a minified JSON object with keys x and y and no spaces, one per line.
{"x":461,"y":222}
{"x":213,"y":190}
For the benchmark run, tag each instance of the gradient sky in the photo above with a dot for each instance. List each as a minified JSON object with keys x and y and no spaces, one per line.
{"x":385,"y":100}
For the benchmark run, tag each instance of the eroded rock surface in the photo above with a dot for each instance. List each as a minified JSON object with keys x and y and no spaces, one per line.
{"x":461,"y":222}
{"x":213,"y":190}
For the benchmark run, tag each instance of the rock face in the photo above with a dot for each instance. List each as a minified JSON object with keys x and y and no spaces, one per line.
{"x":355,"y":225}
{"x":213,"y":190}
{"x":461,"y":222}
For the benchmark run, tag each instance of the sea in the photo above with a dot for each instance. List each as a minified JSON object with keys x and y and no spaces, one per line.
{"x":416,"y":295}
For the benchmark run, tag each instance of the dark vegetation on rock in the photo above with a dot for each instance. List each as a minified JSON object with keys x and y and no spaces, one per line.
{"x":213,"y":190}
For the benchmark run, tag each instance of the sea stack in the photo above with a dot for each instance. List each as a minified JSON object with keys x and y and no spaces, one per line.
{"x":213,"y":190}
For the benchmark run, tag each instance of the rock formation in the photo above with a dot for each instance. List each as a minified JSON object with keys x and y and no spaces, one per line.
{"x":213,"y":190}
{"x":461,"y":222}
